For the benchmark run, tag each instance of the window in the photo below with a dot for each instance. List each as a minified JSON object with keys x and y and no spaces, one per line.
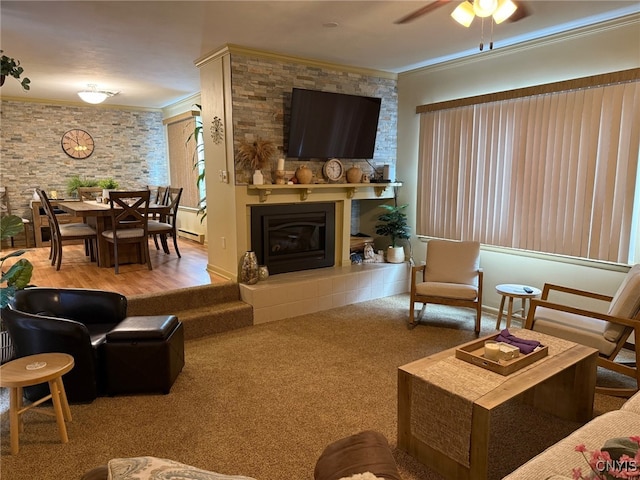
{"x":553,"y":172}
{"x":182,"y":156}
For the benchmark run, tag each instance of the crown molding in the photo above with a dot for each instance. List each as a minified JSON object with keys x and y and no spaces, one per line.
{"x":45,"y":101}
{"x":475,"y":56}
{"x":252,"y":52}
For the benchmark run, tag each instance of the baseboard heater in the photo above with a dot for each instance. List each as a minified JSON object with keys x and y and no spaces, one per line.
{"x":196,"y":237}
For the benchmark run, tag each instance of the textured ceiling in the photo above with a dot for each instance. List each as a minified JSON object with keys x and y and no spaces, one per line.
{"x":146,"y":49}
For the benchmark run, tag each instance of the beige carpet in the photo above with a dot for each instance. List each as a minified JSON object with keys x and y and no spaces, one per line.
{"x":264,"y":401}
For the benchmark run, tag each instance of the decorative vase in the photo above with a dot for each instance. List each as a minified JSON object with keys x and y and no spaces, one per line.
{"x":249,"y":268}
{"x":263,"y":272}
{"x":354,"y":175}
{"x":395,"y":254}
{"x":258,"y":178}
{"x":304,"y":174}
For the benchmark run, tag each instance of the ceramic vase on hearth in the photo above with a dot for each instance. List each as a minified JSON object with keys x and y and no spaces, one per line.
{"x":248,"y":268}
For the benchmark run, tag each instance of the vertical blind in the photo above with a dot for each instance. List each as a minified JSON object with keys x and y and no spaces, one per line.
{"x":181,"y":160}
{"x":550,"y":173}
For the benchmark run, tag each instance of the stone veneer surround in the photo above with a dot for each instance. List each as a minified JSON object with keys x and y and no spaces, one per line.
{"x":130,"y":147}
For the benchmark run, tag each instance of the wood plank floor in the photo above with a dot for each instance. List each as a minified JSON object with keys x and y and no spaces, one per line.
{"x":77,"y":271}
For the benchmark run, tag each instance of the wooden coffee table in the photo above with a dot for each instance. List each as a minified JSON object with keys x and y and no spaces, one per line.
{"x":445,"y":403}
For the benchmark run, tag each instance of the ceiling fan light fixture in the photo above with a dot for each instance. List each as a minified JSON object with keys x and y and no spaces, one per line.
{"x":484,"y":8}
{"x":463,"y":14}
{"x":95,"y":96}
{"x":505,"y":9}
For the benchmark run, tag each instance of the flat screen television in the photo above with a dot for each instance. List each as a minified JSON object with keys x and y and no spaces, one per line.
{"x":332,"y":125}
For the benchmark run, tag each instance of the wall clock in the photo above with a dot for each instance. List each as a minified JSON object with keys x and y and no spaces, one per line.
{"x":333,"y":169}
{"x":77,"y":143}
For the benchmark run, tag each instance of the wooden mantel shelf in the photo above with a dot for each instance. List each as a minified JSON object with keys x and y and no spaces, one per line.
{"x":306,"y":189}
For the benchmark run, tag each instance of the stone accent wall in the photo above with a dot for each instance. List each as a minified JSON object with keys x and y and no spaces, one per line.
{"x":130,"y":147}
{"x":261,"y":90}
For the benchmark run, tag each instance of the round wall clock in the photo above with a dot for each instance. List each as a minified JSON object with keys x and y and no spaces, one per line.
{"x":333,"y":169}
{"x":77,"y":143}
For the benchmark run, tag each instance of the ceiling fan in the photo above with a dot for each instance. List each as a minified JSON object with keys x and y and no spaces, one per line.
{"x":496,"y":10}
{"x":499,"y":10}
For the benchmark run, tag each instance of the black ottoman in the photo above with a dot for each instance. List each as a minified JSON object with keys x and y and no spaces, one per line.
{"x":144,"y":354}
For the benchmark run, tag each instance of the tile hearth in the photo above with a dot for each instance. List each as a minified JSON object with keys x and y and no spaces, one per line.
{"x":299,"y":293}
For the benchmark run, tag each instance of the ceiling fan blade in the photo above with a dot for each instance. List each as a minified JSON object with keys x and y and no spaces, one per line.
{"x":422,"y":11}
{"x":521,"y":12}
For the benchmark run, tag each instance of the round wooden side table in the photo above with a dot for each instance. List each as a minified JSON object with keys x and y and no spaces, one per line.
{"x":511,"y":291}
{"x":32,"y":370}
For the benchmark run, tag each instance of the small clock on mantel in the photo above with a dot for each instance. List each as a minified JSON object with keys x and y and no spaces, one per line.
{"x":333,"y":170}
{"x":77,"y":143}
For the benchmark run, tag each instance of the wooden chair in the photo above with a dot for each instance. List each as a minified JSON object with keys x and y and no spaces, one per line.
{"x":61,"y":233}
{"x":607,"y":332}
{"x":129,"y":222}
{"x":89,"y":193}
{"x":158,"y":194}
{"x":169,"y":226}
{"x":451,"y":276}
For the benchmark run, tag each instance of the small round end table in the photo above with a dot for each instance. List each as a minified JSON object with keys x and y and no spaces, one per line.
{"x":511,"y":291}
{"x":31,"y":370}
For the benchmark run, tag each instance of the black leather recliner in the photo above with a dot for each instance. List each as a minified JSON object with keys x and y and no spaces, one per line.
{"x":73,"y":321}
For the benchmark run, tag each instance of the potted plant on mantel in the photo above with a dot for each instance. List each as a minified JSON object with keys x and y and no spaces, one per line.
{"x":256,"y":155}
{"x":15,"y":278}
{"x":394,"y":225}
{"x":11,"y":67}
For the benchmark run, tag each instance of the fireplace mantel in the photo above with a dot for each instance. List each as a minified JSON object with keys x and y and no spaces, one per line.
{"x":305,"y":190}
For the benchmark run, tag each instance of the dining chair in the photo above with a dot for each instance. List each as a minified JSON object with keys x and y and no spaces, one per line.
{"x":66,"y":232}
{"x":89,"y":193}
{"x":169,"y":225}
{"x":158,"y":194}
{"x":451,"y":276}
{"x":129,"y":222}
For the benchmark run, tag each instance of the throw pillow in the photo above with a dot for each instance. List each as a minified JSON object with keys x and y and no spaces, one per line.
{"x":152,"y":468}
{"x":616,"y":447}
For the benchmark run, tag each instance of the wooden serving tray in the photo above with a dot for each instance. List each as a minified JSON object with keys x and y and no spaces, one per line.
{"x":473,"y":352}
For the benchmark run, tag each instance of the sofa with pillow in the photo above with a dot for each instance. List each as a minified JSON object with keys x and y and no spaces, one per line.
{"x":610,"y":431}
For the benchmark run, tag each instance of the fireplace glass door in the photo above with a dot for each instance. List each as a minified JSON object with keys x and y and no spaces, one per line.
{"x":292,"y":237}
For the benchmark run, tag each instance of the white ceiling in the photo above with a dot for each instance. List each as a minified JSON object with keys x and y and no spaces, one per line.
{"x":146,"y":49}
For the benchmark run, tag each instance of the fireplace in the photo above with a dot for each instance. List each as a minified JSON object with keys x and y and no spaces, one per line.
{"x":292,"y":237}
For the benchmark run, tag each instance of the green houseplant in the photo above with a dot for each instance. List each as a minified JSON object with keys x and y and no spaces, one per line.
{"x":394,"y":225}
{"x":19,"y":274}
{"x":75,"y":182}
{"x":11,"y":67}
{"x":15,"y":278}
{"x":108,"y":184}
{"x":198,"y":159}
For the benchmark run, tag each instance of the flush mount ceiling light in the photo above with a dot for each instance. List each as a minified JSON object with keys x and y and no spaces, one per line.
{"x":498,"y":10}
{"x":93,"y":95}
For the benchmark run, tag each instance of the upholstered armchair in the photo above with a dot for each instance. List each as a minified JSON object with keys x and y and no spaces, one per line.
{"x":450,"y":276}
{"x":72,"y":321}
{"x":607,"y":332}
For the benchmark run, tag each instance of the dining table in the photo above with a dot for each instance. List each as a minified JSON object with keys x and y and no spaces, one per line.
{"x":98,"y":215}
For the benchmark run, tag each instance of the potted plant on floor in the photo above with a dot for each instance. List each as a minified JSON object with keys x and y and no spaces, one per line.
{"x":394,"y":225}
{"x":15,"y":278}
